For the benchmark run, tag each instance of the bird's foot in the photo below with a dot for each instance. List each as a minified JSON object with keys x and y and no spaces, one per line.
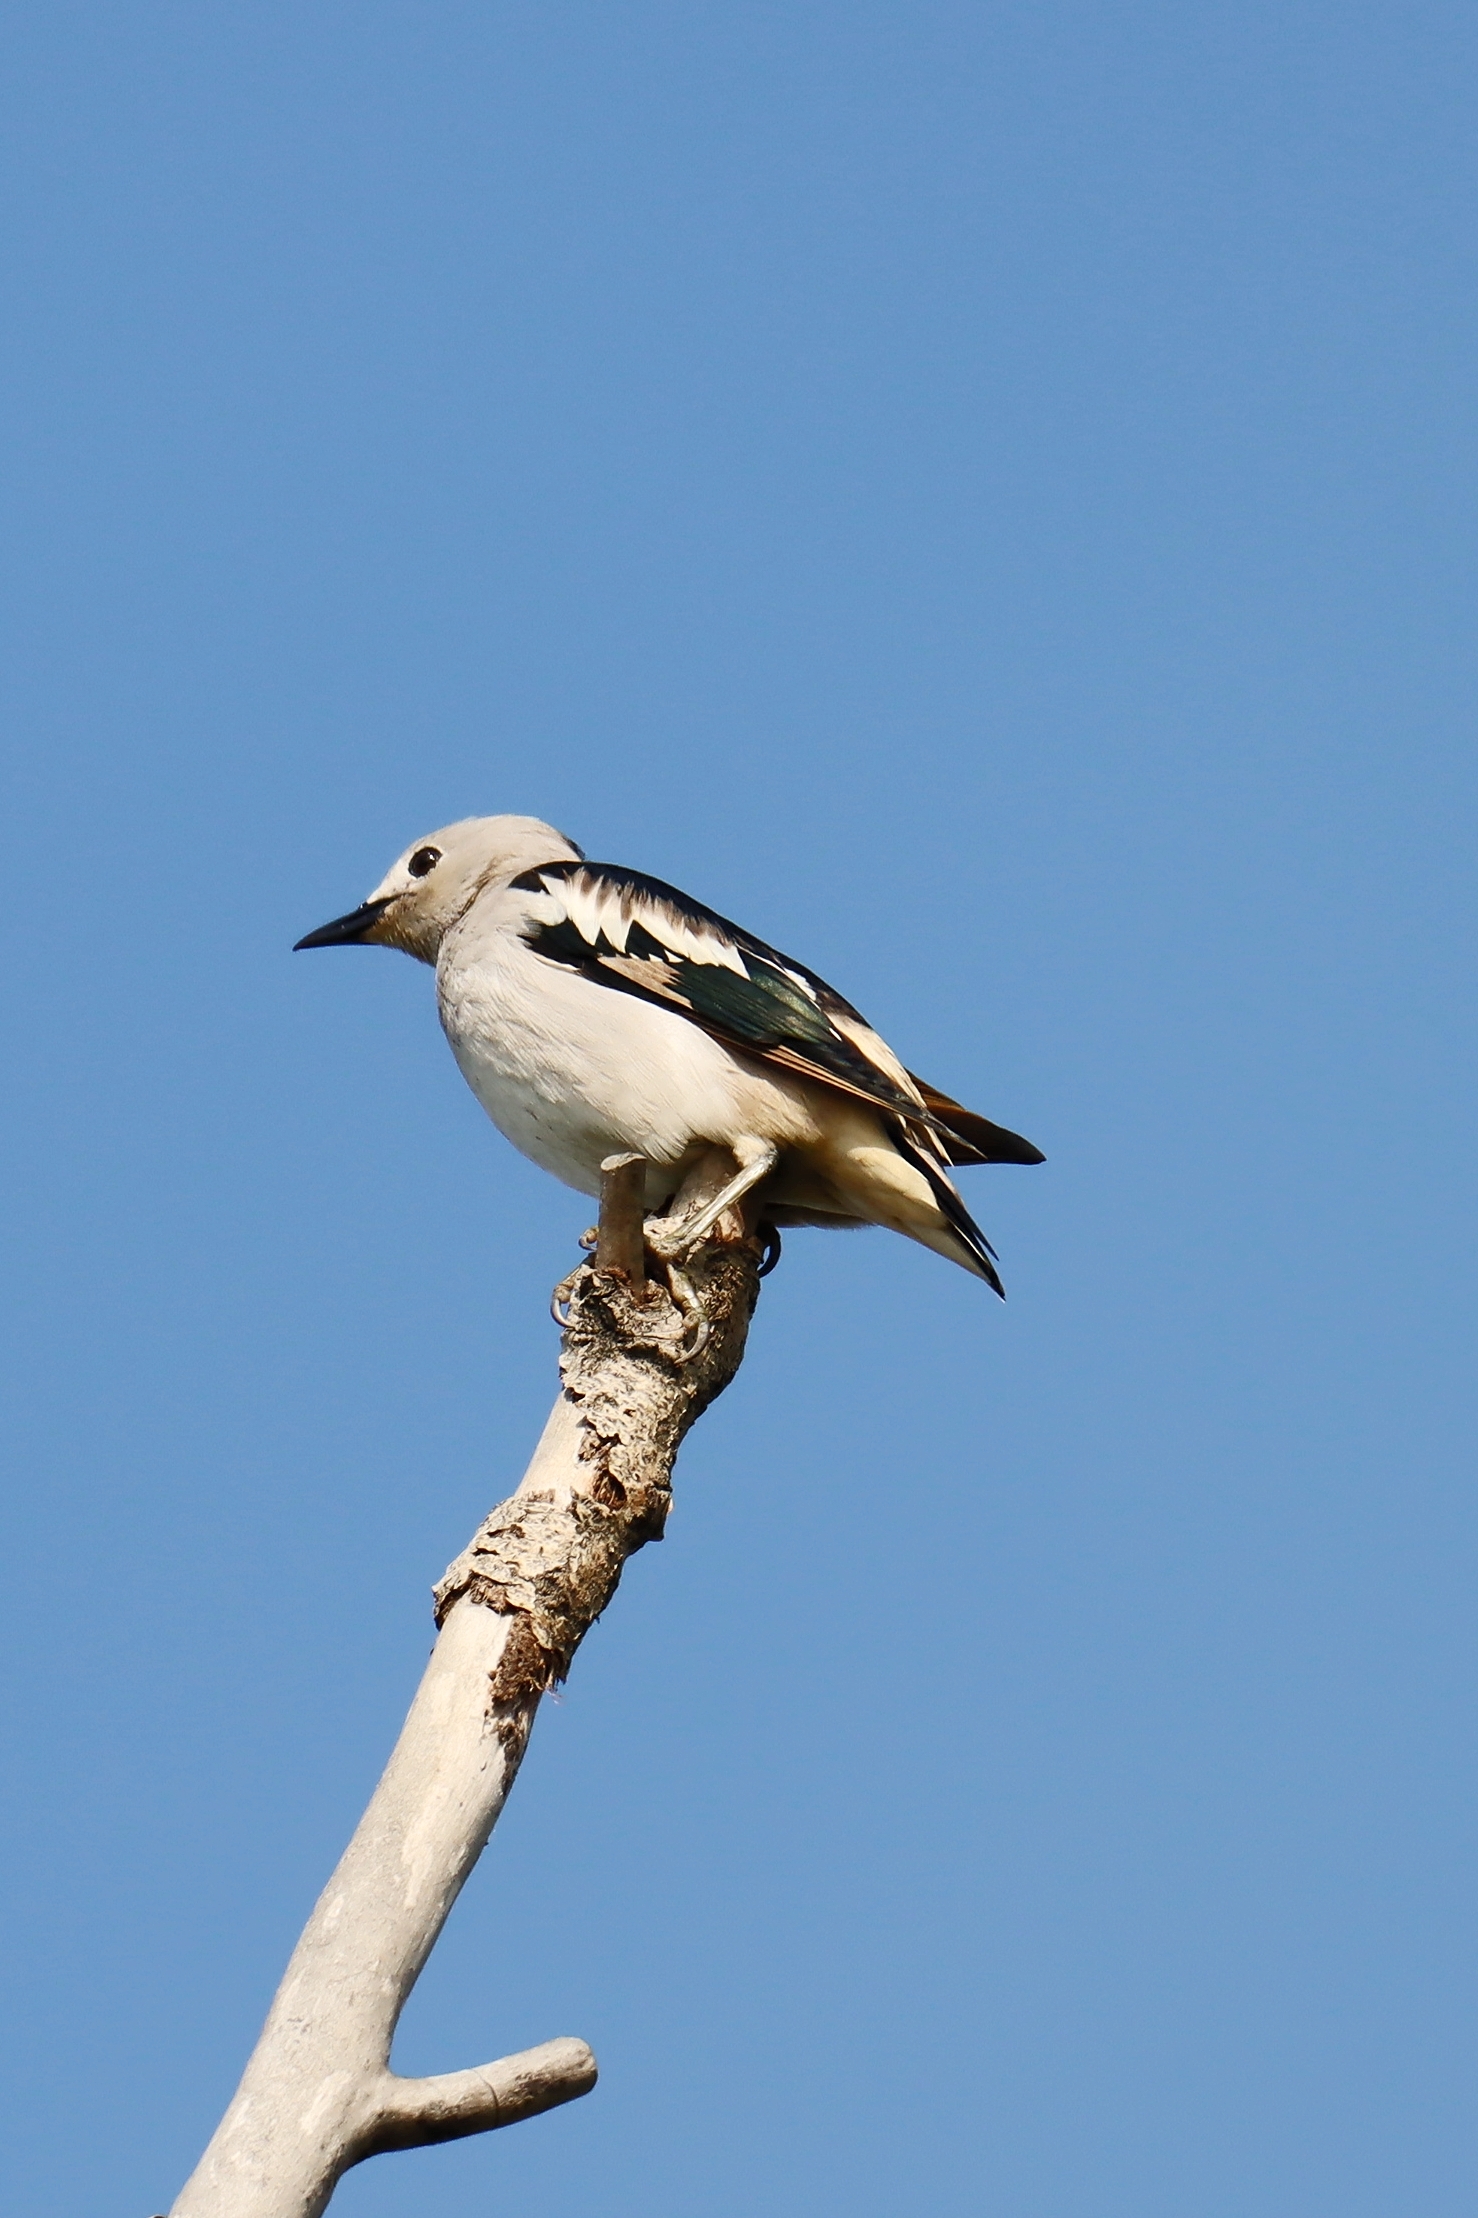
{"x":685,"y":1301}
{"x":678,"y":1239}
{"x":680,"y":1287}
{"x":564,"y":1293}
{"x":695,"y":1325}
{"x":668,"y":1241}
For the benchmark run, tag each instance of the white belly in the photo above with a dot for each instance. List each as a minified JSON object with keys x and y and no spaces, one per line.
{"x":572,"y":1071}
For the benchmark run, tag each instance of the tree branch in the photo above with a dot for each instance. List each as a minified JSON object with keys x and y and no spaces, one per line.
{"x":413,"y":2113}
{"x":619,"y":1242}
{"x":318,"y":2095}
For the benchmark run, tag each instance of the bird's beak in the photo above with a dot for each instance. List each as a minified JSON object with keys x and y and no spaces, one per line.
{"x":350,"y":930}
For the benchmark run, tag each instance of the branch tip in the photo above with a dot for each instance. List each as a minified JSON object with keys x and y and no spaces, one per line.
{"x":414,"y":2113}
{"x":621,"y":1241}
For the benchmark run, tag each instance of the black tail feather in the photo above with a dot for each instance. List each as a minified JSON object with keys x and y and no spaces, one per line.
{"x":961,"y":1222}
{"x":978,"y":1140}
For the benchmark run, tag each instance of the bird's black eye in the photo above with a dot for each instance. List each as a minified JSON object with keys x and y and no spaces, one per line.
{"x":424,"y":859}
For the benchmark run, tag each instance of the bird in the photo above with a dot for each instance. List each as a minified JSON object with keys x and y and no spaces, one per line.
{"x":594,"y":1010}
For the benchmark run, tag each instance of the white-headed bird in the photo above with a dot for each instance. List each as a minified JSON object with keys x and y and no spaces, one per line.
{"x":596,"y":1011}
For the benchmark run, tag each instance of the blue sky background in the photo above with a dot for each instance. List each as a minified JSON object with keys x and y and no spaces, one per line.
{"x":985,"y":495}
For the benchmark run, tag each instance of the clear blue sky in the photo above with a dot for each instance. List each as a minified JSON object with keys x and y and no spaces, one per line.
{"x":984,"y":495}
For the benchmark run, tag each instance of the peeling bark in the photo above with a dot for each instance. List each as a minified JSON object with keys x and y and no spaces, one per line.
{"x":637,"y":1369}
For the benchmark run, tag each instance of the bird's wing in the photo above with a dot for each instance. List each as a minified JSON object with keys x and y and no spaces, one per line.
{"x":644,"y":937}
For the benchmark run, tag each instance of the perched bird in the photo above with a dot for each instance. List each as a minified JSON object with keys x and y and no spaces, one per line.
{"x":594,"y":1010}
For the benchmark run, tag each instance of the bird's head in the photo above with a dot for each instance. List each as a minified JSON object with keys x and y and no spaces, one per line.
{"x":437,"y":879}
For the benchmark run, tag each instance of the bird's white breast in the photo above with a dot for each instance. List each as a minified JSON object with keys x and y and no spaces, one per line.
{"x":571,"y":1070}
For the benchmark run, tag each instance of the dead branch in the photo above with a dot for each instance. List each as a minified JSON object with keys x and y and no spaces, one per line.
{"x":318,"y":2095}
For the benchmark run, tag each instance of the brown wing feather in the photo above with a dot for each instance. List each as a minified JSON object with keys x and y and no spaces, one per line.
{"x":970,"y":1138}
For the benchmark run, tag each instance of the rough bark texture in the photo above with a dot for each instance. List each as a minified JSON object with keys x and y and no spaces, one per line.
{"x":318,"y":2094}
{"x":550,"y":1557}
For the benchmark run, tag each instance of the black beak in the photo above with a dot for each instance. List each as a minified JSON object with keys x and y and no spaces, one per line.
{"x":346,"y":931}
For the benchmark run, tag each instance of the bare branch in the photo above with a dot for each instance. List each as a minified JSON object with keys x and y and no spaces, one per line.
{"x":318,"y":2095}
{"x":413,"y":2113}
{"x":621,"y":1241}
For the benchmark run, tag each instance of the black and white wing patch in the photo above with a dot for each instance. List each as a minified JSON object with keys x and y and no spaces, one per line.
{"x":643,"y":936}
{"x":635,"y":932}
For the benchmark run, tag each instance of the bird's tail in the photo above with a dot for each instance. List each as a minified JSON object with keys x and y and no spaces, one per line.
{"x":968,"y":1138}
{"x":913,"y":1143}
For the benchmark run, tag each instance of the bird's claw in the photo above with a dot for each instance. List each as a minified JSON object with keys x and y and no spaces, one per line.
{"x":689,"y":1308}
{"x":563,"y":1293}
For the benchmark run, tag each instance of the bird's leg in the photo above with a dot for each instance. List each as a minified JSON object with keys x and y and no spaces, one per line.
{"x":707,"y":1194}
{"x":756,"y":1159}
{"x":675,"y":1238}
